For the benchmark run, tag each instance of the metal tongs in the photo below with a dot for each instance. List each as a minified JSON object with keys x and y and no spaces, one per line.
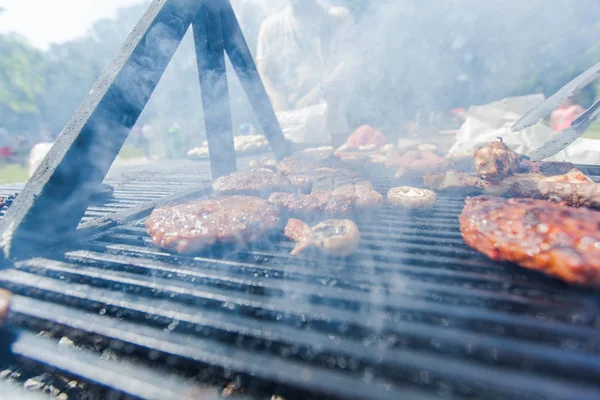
{"x":544,"y":109}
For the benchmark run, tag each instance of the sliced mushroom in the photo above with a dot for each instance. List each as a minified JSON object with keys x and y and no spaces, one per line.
{"x":410,"y":197}
{"x":334,"y":237}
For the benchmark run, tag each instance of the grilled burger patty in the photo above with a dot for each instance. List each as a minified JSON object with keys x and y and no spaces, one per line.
{"x":559,"y":240}
{"x":258,"y":182}
{"x":350,"y":199}
{"x":192,"y":227}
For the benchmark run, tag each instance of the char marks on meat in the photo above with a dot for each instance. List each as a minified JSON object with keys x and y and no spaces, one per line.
{"x":194,"y":226}
{"x":258,"y":182}
{"x":496,"y":161}
{"x":559,"y":240}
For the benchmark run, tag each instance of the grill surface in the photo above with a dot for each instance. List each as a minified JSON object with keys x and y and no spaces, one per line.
{"x":415,"y":314}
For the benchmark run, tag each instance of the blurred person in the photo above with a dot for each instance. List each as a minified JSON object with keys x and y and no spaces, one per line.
{"x":305,"y":57}
{"x":176,"y":142}
{"x":565,"y":114}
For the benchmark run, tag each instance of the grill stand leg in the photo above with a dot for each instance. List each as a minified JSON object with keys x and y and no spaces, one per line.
{"x":210,"y":56}
{"x":245,"y":68}
{"x":54,"y":200}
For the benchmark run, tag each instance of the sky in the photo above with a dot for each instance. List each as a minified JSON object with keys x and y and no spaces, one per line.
{"x":54,"y":21}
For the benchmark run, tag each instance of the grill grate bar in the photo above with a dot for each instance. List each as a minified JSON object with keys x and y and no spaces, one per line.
{"x":282,"y":266}
{"x":409,"y":284}
{"x":214,"y":353}
{"x":208,"y":351}
{"x":294,"y":314}
{"x":122,"y":376}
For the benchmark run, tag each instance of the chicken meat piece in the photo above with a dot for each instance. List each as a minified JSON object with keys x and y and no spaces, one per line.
{"x":352,"y":199}
{"x":558,"y":240}
{"x":365,"y":135}
{"x":416,"y":163}
{"x":496,"y":161}
{"x":335,"y":237}
{"x":195,"y":226}
{"x":259,"y":182}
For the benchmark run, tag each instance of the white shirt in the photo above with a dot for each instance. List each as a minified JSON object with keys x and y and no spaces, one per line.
{"x":298,"y":54}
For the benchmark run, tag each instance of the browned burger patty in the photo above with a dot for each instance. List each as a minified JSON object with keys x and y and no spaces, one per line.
{"x":258,"y":182}
{"x":559,"y":240}
{"x":297,"y":164}
{"x":347,"y":200}
{"x":192,"y":227}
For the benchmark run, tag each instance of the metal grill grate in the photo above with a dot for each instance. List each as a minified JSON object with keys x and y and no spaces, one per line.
{"x":415,"y":314}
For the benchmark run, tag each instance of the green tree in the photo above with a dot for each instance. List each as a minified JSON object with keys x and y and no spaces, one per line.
{"x":21,"y":84}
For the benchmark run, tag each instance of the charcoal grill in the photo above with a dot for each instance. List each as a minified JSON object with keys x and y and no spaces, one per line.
{"x":415,"y":314}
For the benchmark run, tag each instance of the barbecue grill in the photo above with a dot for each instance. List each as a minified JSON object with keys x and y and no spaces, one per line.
{"x":414,"y":313}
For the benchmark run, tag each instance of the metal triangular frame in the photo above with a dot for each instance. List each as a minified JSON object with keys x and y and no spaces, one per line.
{"x":55,"y":199}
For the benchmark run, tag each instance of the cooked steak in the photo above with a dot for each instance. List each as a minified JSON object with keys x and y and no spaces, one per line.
{"x":335,"y":237}
{"x":304,"y":181}
{"x":259,"y":182}
{"x":573,"y":194}
{"x":454,"y":180}
{"x":192,"y":227}
{"x":298,"y":164}
{"x":496,"y":161}
{"x":350,"y":199}
{"x":559,"y":240}
{"x":547,"y":168}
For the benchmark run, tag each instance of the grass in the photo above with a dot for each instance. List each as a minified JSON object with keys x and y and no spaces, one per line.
{"x":128,"y":152}
{"x":593,"y":131}
{"x":12,"y":173}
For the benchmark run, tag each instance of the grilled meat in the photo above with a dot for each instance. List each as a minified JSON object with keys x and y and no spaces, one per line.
{"x":298,"y":164}
{"x":304,"y":181}
{"x":547,"y":168}
{"x":454,"y":180}
{"x":496,"y":161}
{"x":347,"y":200}
{"x":265,"y":162}
{"x":322,"y":153}
{"x":195,"y":226}
{"x":335,"y":237}
{"x":573,"y":194}
{"x":559,"y":240}
{"x":365,"y":135}
{"x":409,"y":197}
{"x":472,"y":184}
{"x":416,"y":163}
{"x":259,"y":182}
